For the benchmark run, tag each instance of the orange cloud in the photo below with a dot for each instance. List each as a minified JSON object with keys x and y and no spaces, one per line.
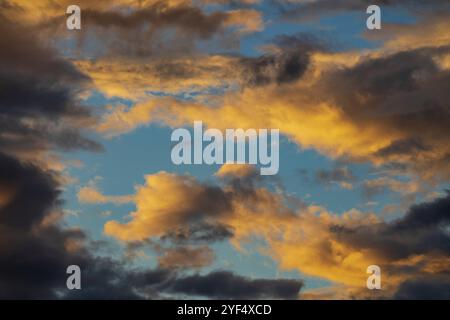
{"x":167,"y":202}
{"x":236,"y":170}
{"x":133,"y":80}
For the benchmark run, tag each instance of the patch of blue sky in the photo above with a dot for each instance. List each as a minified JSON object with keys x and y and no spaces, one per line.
{"x":195,"y":95}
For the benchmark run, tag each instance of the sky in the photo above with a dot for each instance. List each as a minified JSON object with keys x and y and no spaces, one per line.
{"x":87,"y":177}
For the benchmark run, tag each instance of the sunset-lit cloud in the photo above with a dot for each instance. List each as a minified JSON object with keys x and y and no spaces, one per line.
{"x":91,"y":195}
{"x":134,"y":80}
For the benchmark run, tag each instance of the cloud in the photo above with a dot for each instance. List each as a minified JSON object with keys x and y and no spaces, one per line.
{"x":168,"y":204}
{"x":428,"y":31}
{"x":151,"y":29}
{"x":90,"y":194}
{"x":135,"y":79}
{"x":436,"y":288}
{"x":341,"y":248}
{"x":419,"y":231}
{"x":340,"y":175}
{"x":287,"y":64}
{"x":226,"y":285}
{"x":108,"y":283}
{"x":380,"y":185}
{"x":412,"y":100}
{"x":403,"y":147}
{"x":108,"y":279}
{"x":236,"y":170}
{"x":199,"y":233}
{"x":186,"y":257}
{"x":306,"y":238}
{"x":35,"y":249}
{"x":186,"y":18}
{"x":40,"y":106}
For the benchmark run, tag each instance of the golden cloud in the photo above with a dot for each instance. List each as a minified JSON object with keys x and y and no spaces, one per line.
{"x":134,"y":80}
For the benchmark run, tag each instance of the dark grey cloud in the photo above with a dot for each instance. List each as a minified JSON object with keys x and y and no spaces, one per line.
{"x":226,"y":285}
{"x":413,"y":145}
{"x":29,"y":193}
{"x":33,"y":253}
{"x":156,"y":30}
{"x":286,"y":66}
{"x":426,"y":215}
{"x":424,"y":288}
{"x":403,"y":73}
{"x":191,"y":20}
{"x":422,"y":230}
{"x":107,"y":279}
{"x":39,"y":108}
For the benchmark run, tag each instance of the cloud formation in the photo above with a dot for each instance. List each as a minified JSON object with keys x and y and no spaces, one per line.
{"x":142,"y":30}
{"x":306,"y":238}
{"x":353,"y":106}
